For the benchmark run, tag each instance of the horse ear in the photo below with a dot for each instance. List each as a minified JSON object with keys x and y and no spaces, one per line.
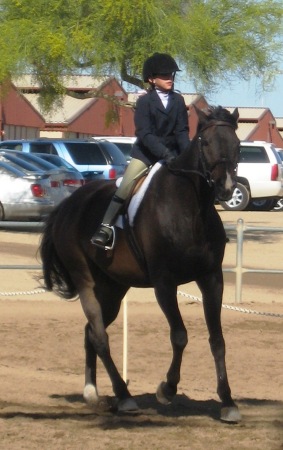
{"x":235,"y":114}
{"x":202,"y":116}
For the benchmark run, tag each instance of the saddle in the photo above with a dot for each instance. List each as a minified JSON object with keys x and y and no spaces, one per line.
{"x":126,"y":219}
{"x":133,"y":202}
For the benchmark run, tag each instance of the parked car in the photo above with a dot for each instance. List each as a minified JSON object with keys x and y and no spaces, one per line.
{"x":24,"y":196}
{"x":259,"y":178}
{"x":61,"y":183}
{"x":74,"y":178}
{"x":95,"y":160}
{"x":124,"y":143}
{"x":279,"y":204}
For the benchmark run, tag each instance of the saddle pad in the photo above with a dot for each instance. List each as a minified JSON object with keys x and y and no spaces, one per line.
{"x":138,"y":196}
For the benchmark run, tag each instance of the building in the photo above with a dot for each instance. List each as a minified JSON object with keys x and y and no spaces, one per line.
{"x":22,"y":118}
{"x":279,"y":125}
{"x":258,"y":124}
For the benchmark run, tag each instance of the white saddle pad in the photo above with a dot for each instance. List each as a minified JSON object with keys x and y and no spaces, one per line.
{"x":137,"y":198}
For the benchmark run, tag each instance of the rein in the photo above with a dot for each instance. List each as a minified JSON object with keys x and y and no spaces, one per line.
{"x":206,"y":173}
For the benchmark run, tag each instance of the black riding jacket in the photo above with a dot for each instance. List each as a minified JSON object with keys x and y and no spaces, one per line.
{"x":159,"y":129}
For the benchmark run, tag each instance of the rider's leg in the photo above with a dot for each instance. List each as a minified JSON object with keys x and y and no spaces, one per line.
{"x":135,"y":170}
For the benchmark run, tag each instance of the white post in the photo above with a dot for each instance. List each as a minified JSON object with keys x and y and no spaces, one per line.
{"x":239,"y":260}
{"x":125,"y":339}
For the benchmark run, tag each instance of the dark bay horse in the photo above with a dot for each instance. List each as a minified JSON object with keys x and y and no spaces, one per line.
{"x":181,"y":238}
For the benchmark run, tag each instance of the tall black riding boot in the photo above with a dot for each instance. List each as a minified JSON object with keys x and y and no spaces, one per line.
{"x":103,"y":236}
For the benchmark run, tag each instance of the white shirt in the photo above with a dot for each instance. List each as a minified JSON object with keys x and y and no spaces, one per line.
{"x":164,"y":97}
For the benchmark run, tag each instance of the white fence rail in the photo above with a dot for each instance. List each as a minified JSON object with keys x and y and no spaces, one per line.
{"x":239,"y":269}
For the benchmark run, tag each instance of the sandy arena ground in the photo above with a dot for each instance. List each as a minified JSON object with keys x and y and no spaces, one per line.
{"x":42,"y":359}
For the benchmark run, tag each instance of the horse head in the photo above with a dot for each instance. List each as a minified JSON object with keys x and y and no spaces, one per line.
{"x":218,"y":148}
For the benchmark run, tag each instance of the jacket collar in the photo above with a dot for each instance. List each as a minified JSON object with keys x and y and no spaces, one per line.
{"x":158,"y":103}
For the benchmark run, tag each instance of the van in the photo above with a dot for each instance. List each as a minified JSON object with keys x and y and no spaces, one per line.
{"x":94,"y":159}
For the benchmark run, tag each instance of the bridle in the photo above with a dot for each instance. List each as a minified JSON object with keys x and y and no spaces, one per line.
{"x":207,"y":170}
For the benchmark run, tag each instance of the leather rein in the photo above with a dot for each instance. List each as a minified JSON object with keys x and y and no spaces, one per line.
{"x":206,"y":172}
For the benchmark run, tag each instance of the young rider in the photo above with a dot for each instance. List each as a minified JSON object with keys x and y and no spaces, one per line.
{"x":161,"y":122}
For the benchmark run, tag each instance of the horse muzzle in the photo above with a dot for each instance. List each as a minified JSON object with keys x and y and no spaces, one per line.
{"x":225,"y":188}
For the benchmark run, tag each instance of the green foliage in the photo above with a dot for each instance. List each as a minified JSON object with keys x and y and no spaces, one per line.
{"x":212,"y":39}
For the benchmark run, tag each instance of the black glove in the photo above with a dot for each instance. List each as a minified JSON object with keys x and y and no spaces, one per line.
{"x":168,"y":156}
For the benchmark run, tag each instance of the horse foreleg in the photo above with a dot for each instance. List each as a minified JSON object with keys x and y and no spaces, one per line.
{"x":212,"y":291}
{"x":167,"y":299}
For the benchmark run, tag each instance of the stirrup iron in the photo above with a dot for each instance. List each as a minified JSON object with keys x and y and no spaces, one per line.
{"x":109,"y":245}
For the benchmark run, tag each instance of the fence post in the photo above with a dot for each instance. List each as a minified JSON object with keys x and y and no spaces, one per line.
{"x":125,"y":339}
{"x":239,"y":260}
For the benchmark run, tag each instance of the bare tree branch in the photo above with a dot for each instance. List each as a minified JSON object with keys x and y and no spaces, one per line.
{"x":99,"y":94}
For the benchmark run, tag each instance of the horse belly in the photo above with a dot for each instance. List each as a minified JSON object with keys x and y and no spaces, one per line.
{"x":123,"y":266}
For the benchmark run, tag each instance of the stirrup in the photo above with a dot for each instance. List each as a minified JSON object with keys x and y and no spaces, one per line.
{"x":109,"y":245}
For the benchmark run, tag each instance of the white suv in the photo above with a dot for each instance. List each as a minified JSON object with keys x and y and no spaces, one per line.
{"x":259,"y":178}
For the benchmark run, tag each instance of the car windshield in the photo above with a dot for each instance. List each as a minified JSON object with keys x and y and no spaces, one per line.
{"x":125,"y":147}
{"x":277,"y":156}
{"x":114,"y":152}
{"x":20,"y":162}
{"x":56,"y":161}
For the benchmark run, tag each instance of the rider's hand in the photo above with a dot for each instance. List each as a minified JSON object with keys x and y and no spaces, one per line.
{"x":168,"y":156}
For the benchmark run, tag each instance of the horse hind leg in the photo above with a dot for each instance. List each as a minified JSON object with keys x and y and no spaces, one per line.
{"x":100,"y":314}
{"x":167,"y":299}
{"x":212,"y":291}
{"x":90,"y":390}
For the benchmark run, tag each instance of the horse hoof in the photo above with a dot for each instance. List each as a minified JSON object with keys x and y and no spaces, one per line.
{"x":90,"y":394}
{"x":162,"y":396}
{"x":230,"y":414}
{"x":128,"y":405}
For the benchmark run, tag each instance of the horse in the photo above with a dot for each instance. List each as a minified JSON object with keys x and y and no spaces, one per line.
{"x":180,"y":238}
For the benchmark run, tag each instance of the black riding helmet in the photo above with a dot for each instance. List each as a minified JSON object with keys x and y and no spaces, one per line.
{"x":159,"y":64}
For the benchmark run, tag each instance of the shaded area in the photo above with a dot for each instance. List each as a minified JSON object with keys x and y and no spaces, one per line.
{"x":182,"y":406}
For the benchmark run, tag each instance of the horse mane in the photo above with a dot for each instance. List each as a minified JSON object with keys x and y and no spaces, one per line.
{"x":218,"y":113}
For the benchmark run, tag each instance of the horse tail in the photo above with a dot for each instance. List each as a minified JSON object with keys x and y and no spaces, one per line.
{"x":55,"y":276}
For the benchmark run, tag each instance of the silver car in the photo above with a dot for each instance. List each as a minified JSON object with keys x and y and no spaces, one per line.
{"x":74,"y":178}
{"x":24,"y":196}
{"x":63,"y":182}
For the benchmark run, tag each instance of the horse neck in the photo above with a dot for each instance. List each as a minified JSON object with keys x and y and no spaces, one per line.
{"x":190,"y":158}
{"x":190,"y":166}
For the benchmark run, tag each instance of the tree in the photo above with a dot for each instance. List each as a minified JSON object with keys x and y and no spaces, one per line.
{"x":211,"y":39}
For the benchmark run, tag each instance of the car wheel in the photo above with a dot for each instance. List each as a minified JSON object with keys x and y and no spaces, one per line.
{"x":239,"y":201}
{"x":279,"y":205}
{"x":266,"y":204}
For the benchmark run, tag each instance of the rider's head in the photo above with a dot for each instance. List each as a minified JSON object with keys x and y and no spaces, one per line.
{"x":159,"y":70}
